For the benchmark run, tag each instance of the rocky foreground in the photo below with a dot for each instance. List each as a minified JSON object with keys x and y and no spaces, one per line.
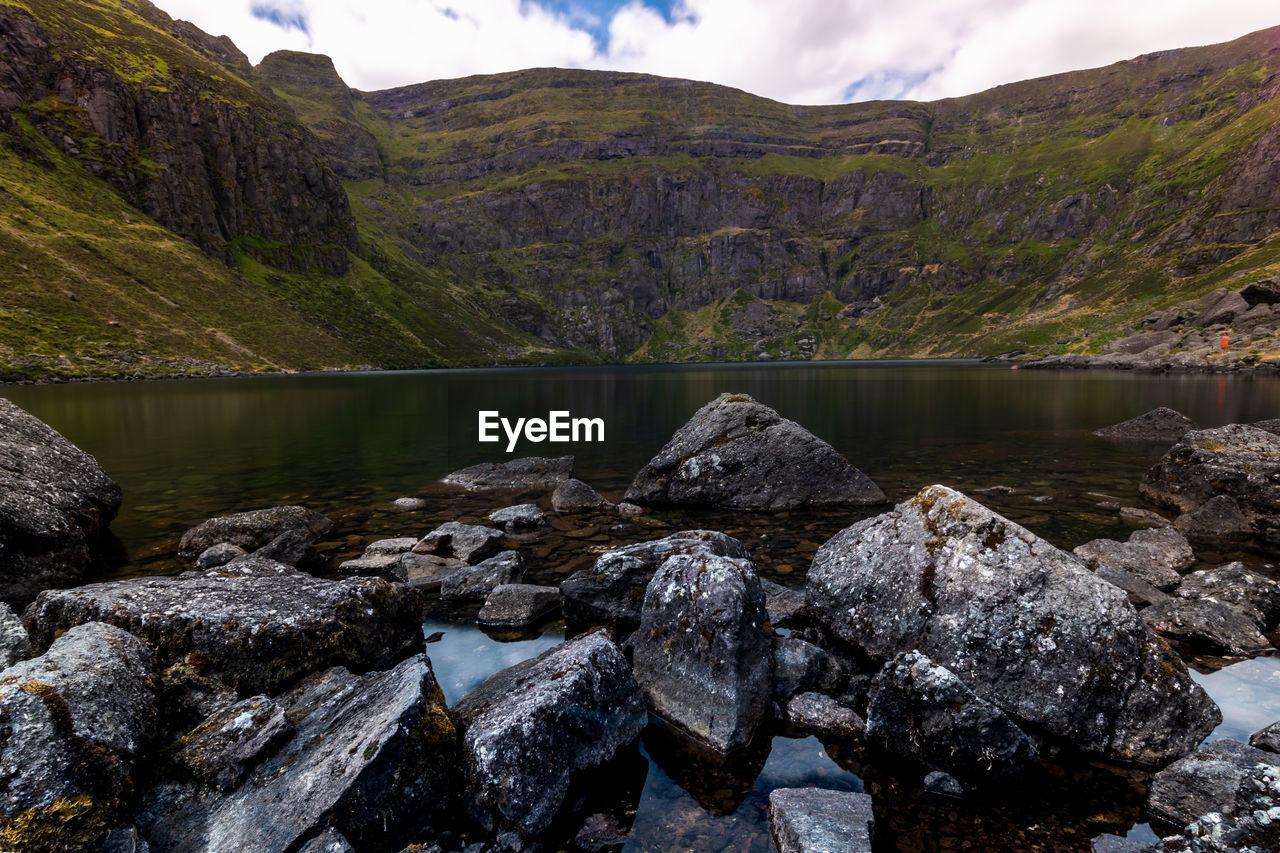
{"x":264,"y":700}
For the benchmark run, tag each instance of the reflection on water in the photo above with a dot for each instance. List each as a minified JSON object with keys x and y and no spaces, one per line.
{"x":464,"y":656}
{"x":1248,"y":694}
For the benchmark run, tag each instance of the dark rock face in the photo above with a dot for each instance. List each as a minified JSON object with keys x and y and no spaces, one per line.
{"x":55,"y":504}
{"x":257,"y":630}
{"x":219,"y":555}
{"x":528,"y":729}
{"x":576,"y":496}
{"x":1162,"y":424}
{"x":470,"y":543}
{"x":798,"y":667}
{"x":1140,"y":593}
{"x":1217,"y":521}
{"x":477,"y":582}
{"x":75,"y":721}
{"x":15,"y":645}
{"x":531,"y":472}
{"x":1211,"y":626}
{"x":699,"y":654}
{"x":329,"y":841}
{"x":372,"y":756}
{"x":1155,"y":556}
{"x":254,"y":529}
{"x":921,"y":711}
{"x":735,"y":453}
{"x":1022,"y":624}
{"x":1268,"y":738}
{"x":293,"y":548}
{"x":813,"y":820}
{"x":823,"y":716}
{"x":612,"y":591}
{"x":1225,"y":776}
{"x":1236,"y":461}
{"x":519,"y":518}
{"x":515,"y":605}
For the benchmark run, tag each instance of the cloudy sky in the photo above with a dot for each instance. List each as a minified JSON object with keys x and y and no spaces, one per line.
{"x":799,"y":51}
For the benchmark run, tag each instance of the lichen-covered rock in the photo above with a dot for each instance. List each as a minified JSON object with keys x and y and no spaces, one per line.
{"x":821,"y":715}
{"x":258,"y":630}
{"x":699,"y":654}
{"x":1236,"y":585}
{"x":373,"y":756}
{"x":735,"y":453}
{"x":1155,"y":556}
{"x":814,"y":820}
{"x":1267,"y":738}
{"x":1161,"y":424}
{"x":55,"y":505}
{"x":1140,"y":593}
{"x":515,"y":605}
{"x":520,"y":518}
{"x":530,"y":472}
{"x":921,"y":711}
{"x":528,"y":729}
{"x":1211,"y":626}
{"x":1024,"y":625}
{"x":397,"y":546}
{"x":1225,"y":776}
{"x":1236,"y":461}
{"x":254,"y":529}
{"x":75,"y":720}
{"x":611,"y":592}
{"x":474,"y":583}
{"x":1218,"y":521}
{"x":469,"y":543}
{"x":576,"y":496}
{"x":378,"y":564}
{"x":15,"y":645}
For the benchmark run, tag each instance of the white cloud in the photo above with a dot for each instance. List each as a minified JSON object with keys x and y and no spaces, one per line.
{"x":804,"y":51}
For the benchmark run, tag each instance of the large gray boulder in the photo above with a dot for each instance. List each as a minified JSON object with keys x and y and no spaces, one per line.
{"x":700,"y":654}
{"x":254,"y":529}
{"x":530,"y":472}
{"x":735,"y":453}
{"x":529,"y":729}
{"x":258,"y":630}
{"x":576,"y":496}
{"x":373,"y":756}
{"x":611,"y":592}
{"x":474,"y":583}
{"x":1237,"y":466}
{"x":75,"y":720}
{"x":1160,"y":424}
{"x":55,"y":505}
{"x":1024,"y":625}
{"x":814,"y":820}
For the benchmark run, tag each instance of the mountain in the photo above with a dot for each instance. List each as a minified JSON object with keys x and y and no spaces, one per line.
{"x":171,"y":207}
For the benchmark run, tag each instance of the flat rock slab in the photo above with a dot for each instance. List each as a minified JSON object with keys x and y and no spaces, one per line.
{"x":76,"y":719}
{"x":531,"y":472}
{"x":516,"y":605}
{"x":258,"y":631}
{"x":1024,"y":625}
{"x":735,"y":453}
{"x":1162,"y":424}
{"x":470,"y":543}
{"x":528,"y":729}
{"x":55,"y":504}
{"x":371,"y":755}
{"x":399,"y":545}
{"x":823,"y":716}
{"x":1223,"y":776}
{"x":814,"y":820}
{"x":254,"y":529}
{"x":520,"y":518}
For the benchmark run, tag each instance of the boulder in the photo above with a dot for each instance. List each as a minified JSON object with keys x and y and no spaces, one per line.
{"x":798,"y":667}
{"x":258,"y":630}
{"x":1140,"y":593}
{"x":611,"y":592}
{"x":700,"y":655}
{"x":373,"y":756}
{"x":1024,"y":625}
{"x":814,"y":820}
{"x":219,"y":555}
{"x":292,"y":547}
{"x":55,"y":505}
{"x":15,"y":645}
{"x":1236,"y":461}
{"x":252,"y":530}
{"x":426,"y":572}
{"x":1235,"y":585}
{"x":784,"y":605}
{"x":1162,"y":424}
{"x":75,"y":721}
{"x":1210,"y":626}
{"x":943,"y":784}
{"x":921,"y":711}
{"x":377,"y":564}
{"x":819,"y":714}
{"x":735,"y":453}
{"x":392,"y":547}
{"x":1224,"y":776}
{"x":329,"y":841}
{"x":1263,"y":292}
{"x":529,"y":729}
{"x":576,"y":496}
{"x":515,"y":605}
{"x":1218,"y":521}
{"x":1267,"y":738}
{"x":1271,"y":425}
{"x":531,"y":472}
{"x":475,"y":583}
{"x":1222,"y":311}
{"x":470,"y":543}
{"x":1155,"y":556}
{"x":520,"y":518}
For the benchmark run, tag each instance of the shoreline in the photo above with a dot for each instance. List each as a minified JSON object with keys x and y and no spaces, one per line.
{"x":1137,"y":364}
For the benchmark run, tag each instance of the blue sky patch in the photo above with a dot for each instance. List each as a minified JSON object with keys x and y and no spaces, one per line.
{"x":593,"y":16}
{"x":285,"y":19}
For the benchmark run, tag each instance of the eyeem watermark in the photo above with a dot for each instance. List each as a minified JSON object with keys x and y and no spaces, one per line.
{"x":559,"y":427}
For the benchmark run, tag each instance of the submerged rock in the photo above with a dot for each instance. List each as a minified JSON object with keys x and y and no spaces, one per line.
{"x":258,"y":630}
{"x":576,"y":496}
{"x":1162,"y":424}
{"x":476,"y":582}
{"x":528,"y":730}
{"x":55,"y":505}
{"x":374,"y":756}
{"x":1155,"y":556}
{"x":1213,"y":626}
{"x":515,"y":605}
{"x":15,"y":645}
{"x":75,"y":720}
{"x":921,"y":711}
{"x":1024,"y":625}
{"x":612,"y":591}
{"x":530,"y":472}
{"x":814,"y":820}
{"x":254,"y":529}
{"x":519,"y":518}
{"x":735,"y":453}
{"x":699,"y":654}
{"x":470,"y":543}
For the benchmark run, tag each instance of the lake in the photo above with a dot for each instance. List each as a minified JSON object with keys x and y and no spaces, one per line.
{"x":350,"y":444}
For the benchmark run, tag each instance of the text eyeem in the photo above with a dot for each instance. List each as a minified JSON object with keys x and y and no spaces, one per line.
{"x":558,"y":427}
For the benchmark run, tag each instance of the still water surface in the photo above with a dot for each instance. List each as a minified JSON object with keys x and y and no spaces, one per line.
{"x":349,"y":444}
